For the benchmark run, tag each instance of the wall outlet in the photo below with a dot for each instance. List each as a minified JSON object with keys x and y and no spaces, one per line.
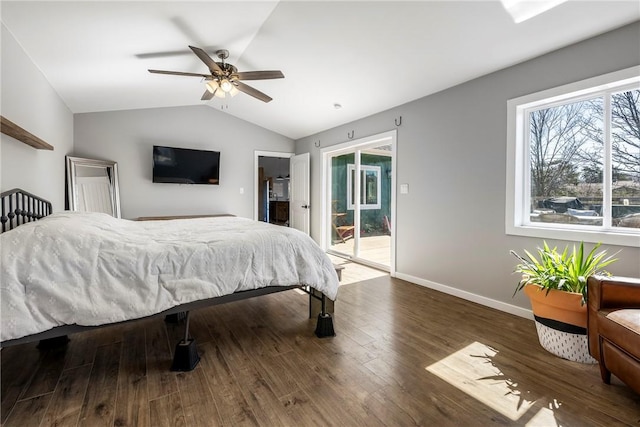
{"x":404,"y":188}
{"x":241,"y":190}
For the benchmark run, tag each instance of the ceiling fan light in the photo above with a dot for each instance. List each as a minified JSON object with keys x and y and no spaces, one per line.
{"x":212,"y":86}
{"x":224,"y":78}
{"x":225,"y":85}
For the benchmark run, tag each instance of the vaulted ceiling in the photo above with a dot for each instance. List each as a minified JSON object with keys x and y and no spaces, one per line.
{"x":367,"y":56}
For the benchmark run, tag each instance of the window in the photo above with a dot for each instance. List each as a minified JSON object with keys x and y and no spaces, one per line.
{"x":369,"y":186}
{"x":574,"y":161}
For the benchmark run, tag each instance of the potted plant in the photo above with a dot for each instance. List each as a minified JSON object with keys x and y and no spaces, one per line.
{"x":556,"y":284}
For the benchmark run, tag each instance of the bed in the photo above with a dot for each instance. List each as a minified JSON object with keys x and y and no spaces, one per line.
{"x":66,"y":272}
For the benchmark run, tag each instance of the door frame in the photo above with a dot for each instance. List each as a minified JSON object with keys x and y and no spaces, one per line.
{"x":256,"y":161}
{"x":390,"y":137}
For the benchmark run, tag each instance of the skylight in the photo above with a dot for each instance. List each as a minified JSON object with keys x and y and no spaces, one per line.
{"x":521,"y":10}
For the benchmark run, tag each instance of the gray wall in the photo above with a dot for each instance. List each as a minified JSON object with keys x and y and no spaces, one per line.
{"x":29,"y":101}
{"x":452,"y":153}
{"x":127,"y":137}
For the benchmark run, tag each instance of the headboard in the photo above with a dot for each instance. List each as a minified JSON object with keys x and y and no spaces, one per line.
{"x":18,"y":207}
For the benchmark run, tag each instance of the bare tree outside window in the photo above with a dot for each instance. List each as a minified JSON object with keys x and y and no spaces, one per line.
{"x":566,"y":146}
{"x":625,"y":130}
{"x":562,"y":147}
{"x":557,"y":135}
{"x":625,"y":135}
{"x":625,"y":157}
{"x":573,"y":169}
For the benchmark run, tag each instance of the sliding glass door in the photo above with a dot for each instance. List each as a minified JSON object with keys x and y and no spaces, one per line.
{"x":342,"y":213}
{"x":361,"y":197}
{"x":374,"y":194}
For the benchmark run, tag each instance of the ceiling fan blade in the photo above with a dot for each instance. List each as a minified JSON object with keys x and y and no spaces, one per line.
{"x":206,"y":96}
{"x":179,"y":73}
{"x":260,"y":75}
{"x":204,"y":57}
{"x":251,"y":91}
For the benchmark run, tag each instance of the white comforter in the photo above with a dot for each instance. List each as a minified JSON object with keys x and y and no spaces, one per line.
{"x":92,"y":269}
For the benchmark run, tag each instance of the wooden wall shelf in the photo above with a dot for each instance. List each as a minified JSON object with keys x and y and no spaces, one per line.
{"x":13,"y":130}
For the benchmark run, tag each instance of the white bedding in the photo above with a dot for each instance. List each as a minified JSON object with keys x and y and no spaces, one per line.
{"x":93,"y":269}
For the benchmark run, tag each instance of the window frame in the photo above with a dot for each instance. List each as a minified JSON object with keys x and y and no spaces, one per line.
{"x":351,"y":167}
{"x":518,"y":176}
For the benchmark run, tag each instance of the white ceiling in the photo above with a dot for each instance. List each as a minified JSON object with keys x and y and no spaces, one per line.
{"x":368,"y":56}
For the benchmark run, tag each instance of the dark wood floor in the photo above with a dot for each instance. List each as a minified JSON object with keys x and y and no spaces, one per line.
{"x":404,"y":355}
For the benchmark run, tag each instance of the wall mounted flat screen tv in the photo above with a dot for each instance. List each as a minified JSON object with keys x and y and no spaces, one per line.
{"x":185,"y":166}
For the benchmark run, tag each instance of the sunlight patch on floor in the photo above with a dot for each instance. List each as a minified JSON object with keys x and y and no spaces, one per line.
{"x":372,"y":248}
{"x":473,"y":370}
{"x":543,"y":418}
{"x":354,"y":272}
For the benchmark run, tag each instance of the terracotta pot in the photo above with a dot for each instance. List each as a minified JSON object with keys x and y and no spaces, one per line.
{"x":561,"y":322}
{"x":562,"y":306}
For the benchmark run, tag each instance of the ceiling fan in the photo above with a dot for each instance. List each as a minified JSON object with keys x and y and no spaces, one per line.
{"x":225,"y":78}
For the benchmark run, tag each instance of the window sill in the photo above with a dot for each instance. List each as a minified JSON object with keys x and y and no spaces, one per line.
{"x":618,"y":238}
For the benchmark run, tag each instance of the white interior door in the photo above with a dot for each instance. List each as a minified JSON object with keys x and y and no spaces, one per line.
{"x":300,"y":196}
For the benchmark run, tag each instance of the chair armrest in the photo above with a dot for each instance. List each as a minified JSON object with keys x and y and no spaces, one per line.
{"x":613,"y":292}
{"x":606,"y":293}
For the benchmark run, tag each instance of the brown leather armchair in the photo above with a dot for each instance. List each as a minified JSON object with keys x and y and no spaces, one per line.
{"x":613,"y":326}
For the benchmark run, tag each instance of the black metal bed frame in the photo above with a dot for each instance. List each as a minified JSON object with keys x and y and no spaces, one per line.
{"x":20,"y":207}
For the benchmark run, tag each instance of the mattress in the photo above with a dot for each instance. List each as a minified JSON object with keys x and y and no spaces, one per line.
{"x":92,"y":269}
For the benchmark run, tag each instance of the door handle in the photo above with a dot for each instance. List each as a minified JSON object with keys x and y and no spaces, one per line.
{"x":305,"y":206}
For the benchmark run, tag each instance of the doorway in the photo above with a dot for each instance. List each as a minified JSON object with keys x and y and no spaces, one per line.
{"x":360,"y":198}
{"x":273,"y":186}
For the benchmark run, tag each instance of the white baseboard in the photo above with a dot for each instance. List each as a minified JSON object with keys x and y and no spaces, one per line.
{"x":498,"y":305}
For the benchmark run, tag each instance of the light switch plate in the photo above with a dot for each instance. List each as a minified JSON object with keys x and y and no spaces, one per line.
{"x":404,"y":188}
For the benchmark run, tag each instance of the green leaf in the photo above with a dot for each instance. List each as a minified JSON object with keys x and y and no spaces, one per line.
{"x":567,"y":271}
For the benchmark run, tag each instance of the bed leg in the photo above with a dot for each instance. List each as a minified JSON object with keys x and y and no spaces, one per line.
{"x":186,"y":357}
{"x":175,"y":317}
{"x":324,"y":327}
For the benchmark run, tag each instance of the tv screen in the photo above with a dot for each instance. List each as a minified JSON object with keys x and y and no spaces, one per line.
{"x":185,"y":166}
